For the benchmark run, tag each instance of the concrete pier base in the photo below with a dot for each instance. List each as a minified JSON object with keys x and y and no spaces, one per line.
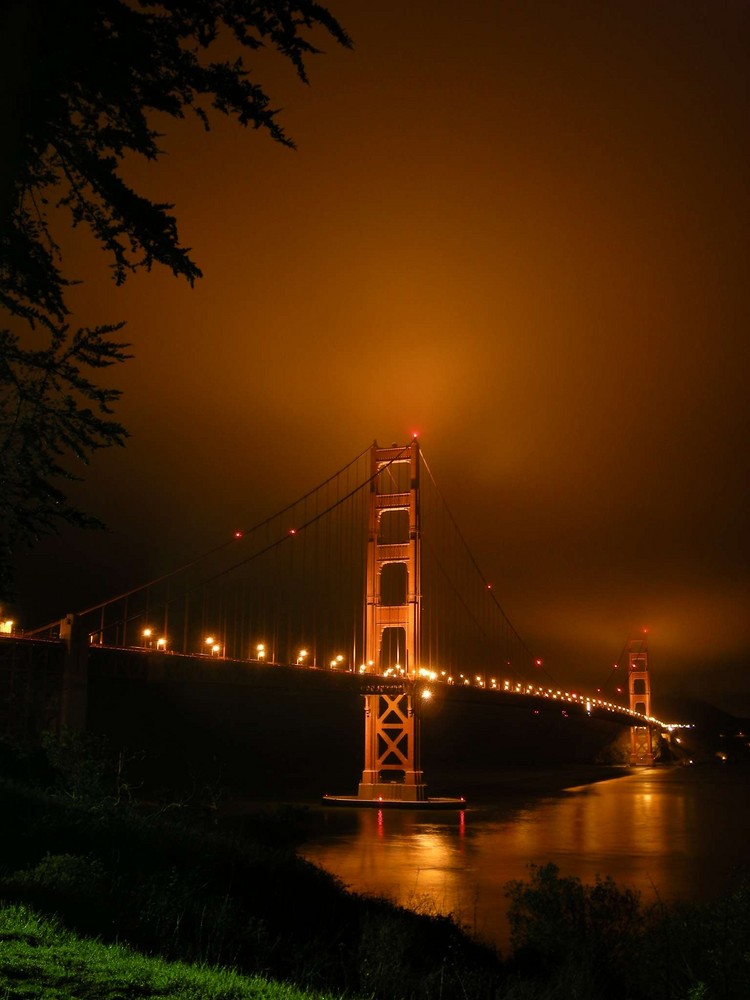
{"x":403,"y":791}
{"x":355,"y":801}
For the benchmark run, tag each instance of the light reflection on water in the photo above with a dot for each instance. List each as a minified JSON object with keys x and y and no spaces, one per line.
{"x":673,"y":833}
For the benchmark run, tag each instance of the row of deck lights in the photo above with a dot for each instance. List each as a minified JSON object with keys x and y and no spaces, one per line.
{"x":518,"y":688}
{"x":215,"y":649}
{"x":556,"y":695}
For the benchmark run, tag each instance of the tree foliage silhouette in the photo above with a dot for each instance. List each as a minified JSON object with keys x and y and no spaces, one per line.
{"x":80,"y":84}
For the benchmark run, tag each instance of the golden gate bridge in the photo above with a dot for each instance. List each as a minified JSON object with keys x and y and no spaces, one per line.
{"x":368,"y":574}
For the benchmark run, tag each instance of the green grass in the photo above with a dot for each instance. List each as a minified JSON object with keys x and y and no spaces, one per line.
{"x":40,"y":960}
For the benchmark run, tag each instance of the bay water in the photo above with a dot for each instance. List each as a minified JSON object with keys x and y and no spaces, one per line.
{"x":671,"y":833}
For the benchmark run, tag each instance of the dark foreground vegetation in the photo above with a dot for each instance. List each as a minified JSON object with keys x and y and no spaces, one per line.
{"x":92,"y":883}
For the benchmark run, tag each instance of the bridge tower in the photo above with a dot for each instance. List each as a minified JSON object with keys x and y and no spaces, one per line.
{"x":392,"y":767}
{"x":639,"y":687}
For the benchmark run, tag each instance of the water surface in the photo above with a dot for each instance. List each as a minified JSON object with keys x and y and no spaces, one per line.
{"x":671,"y":833}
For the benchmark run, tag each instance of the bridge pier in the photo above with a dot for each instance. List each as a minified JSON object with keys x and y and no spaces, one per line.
{"x":74,"y":694}
{"x":392,"y":747}
{"x":641,"y":746}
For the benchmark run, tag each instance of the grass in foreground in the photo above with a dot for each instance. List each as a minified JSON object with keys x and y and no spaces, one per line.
{"x":39,"y":960}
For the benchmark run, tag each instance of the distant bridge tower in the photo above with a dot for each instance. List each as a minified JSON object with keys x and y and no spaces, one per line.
{"x":392,"y":629}
{"x":639,"y":686}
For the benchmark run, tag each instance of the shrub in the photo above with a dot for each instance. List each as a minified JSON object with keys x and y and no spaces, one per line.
{"x":557,"y":923}
{"x":67,"y":872}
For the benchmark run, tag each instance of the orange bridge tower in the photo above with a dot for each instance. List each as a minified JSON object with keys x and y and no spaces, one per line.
{"x":391,"y":680}
{"x":639,"y":686}
{"x":392,"y":628}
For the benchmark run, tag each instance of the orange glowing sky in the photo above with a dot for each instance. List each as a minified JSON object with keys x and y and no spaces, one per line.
{"x":520,"y":228}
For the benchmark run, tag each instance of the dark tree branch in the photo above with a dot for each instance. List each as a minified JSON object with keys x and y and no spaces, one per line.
{"x":79,"y":85}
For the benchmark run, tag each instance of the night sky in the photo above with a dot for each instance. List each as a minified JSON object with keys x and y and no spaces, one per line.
{"x":518,"y":228}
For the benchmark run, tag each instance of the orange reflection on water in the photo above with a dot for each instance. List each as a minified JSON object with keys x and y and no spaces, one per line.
{"x":667,"y":833}
{"x":398,"y":855}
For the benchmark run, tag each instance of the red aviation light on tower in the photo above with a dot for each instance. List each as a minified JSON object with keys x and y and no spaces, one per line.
{"x":538,"y":662}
